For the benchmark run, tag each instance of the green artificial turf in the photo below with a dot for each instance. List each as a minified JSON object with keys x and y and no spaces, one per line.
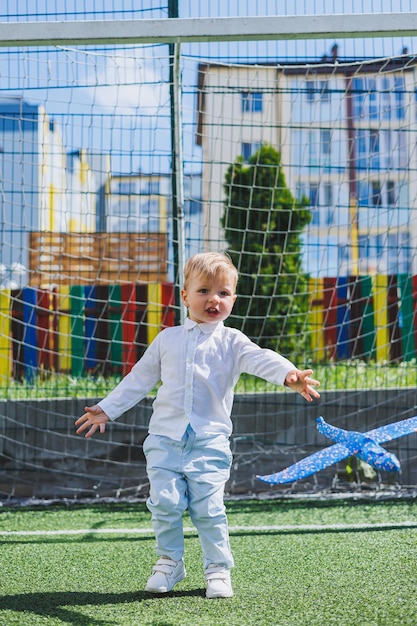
{"x":305,"y":571}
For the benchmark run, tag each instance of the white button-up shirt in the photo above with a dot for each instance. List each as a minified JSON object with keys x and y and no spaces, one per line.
{"x":198,"y":366}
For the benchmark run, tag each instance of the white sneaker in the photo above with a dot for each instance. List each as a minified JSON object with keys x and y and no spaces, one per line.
{"x":218,"y":582}
{"x":166,"y":573}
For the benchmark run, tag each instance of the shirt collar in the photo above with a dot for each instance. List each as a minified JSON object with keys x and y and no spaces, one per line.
{"x":205,"y":328}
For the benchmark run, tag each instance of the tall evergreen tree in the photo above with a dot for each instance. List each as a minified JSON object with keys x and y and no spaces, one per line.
{"x":263,"y":224}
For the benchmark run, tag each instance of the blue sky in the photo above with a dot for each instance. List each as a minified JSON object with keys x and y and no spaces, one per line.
{"x":117,"y":99}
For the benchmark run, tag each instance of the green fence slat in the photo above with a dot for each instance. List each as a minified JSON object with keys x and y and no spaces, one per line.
{"x":115,"y":322}
{"x":77,"y":301}
{"x":407,"y":326}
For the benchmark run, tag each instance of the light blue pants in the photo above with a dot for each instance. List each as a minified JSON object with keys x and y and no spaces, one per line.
{"x":192,"y":474}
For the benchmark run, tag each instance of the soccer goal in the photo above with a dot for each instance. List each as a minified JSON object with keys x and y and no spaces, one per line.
{"x":128,"y":145}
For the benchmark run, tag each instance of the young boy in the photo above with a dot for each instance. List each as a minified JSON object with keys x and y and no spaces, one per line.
{"x":187,"y":448}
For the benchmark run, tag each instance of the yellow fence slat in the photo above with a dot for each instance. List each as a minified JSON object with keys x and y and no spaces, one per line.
{"x":316,"y":318}
{"x":5,"y":337}
{"x":64,"y":329}
{"x":154,"y":314}
{"x":380,"y":294}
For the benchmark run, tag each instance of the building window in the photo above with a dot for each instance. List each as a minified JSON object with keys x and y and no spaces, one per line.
{"x":358,"y":89}
{"x":376,"y":193}
{"x":152,"y":187}
{"x":386,"y":99}
{"x":390,"y":193}
{"x":364,"y":246}
{"x":310,"y":90}
{"x":313,"y":147}
{"x":373,"y":100}
{"x":389,"y":157}
{"x":399,"y":90}
{"x":325,"y":141}
{"x":380,"y":242}
{"x":393,"y":94}
{"x":342,"y":256}
{"x":248,"y":149}
{"x":374,"y":149}
{"x":301,"y":190}
{"x":314,"y":194}
{"x":363,"y":193}
{"x":251,"y":102}
{"x":368,"y":149}
{"x":324,"y":91}
{"x":328,"y":194}
{"x":326,"y":146}
{"x":317,"y":90}
{"x":124,"y":188}
{"x":361,"y":150}
{"x":367,"y":99}
{"x":402,"y":148}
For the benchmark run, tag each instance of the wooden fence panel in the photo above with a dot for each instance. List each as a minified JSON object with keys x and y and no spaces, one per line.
{"x":97,"y":258}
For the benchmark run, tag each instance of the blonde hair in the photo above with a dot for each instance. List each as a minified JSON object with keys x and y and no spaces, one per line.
{"x":211,"y":265}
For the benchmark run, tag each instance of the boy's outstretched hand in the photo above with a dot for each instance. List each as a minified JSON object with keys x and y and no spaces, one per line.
{"x":94,"y":418}
{"x":301,"y":381}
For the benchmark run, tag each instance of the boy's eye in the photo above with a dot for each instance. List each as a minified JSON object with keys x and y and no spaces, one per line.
{"x":203,"y":290}
{"x":224,"y":293}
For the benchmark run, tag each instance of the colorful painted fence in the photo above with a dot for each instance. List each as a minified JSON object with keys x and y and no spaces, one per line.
{"x":79,"y":329}
{"x":364,"y":317}
{"x":104,"y":329}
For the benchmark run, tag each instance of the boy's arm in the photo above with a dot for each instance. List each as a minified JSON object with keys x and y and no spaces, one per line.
{"x":142,"y":378}
{"x":272,"y":366}
{"x":301,"y":381}
{"x":132,"y":388}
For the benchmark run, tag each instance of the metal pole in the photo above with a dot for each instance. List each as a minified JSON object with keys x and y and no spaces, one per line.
{"x":353,"y":192}
{"x":177,"y":175}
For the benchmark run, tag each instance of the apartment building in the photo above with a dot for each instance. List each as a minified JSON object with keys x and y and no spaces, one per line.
{"x":42,"y":188}
{"x":347,"y":136}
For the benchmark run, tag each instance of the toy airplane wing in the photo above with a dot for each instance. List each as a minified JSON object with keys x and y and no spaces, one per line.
{"x":394,"y":431}
{"x":309,"y":465}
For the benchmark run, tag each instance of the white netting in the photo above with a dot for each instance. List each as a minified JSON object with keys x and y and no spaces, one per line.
{"x":304,"y":171}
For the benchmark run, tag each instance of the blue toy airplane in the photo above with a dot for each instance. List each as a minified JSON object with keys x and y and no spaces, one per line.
{"x":363,"y":445}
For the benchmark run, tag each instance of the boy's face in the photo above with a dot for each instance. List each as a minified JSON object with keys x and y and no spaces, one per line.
{"x":209,"y":300}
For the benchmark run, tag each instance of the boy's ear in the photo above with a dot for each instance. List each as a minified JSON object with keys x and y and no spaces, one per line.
{"x":184,"y":296}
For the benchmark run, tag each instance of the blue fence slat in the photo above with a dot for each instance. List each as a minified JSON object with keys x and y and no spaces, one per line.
{"x":30,"y":340}
{"x":343,"y":318}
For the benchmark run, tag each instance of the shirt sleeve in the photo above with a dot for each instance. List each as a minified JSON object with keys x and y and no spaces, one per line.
{"x":142,"y":378}
{"x":261,"y":362}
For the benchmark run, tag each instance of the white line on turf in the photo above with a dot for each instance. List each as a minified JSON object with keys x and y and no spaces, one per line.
{"x":188,"y":529}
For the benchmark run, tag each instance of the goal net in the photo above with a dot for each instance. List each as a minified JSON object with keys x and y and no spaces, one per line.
{"x":304,"y":170}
